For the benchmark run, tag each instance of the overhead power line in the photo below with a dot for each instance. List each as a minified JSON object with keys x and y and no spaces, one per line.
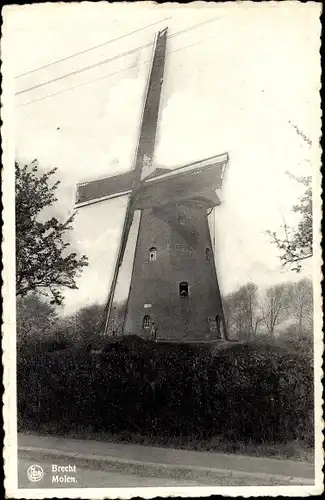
{"x":86,"y":68}
{"x":118,"y":56}
{"x":107,"y":76}
{"x":91,"y":48}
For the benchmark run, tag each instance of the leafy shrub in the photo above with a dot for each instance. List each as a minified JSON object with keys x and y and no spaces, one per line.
{"x":301,"y":342}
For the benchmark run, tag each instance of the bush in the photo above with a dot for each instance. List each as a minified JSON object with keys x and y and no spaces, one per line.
{"x":249,"y":391}
{"x":301,"y":342}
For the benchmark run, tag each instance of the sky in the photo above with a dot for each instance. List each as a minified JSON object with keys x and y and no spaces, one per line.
{"x":237,"y":83}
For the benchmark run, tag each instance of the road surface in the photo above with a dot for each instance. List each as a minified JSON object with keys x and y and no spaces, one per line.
{"x":89,"y":478}
{"x":107,"y":464}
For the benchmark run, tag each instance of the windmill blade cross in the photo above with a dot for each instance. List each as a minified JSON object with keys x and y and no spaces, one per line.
{"x":145,"y":148}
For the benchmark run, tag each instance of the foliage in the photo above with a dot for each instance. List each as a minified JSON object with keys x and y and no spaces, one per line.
{"x":34,"y":318}
{"x":297,"y":243}
{"x":298,"y":340}
{"x":117,"y":317}
{"x":43,"y":261}
{"x":88,"y":319}
{"x":254,"y":392}
{"x":83,"y":323}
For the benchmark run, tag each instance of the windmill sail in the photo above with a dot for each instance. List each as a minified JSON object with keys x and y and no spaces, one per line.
{"x":149,"y":123}
{"x":145,"y":148}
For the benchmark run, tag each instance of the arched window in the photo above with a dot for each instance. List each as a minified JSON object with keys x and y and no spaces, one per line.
{"x":207,"y":254}
{"x":183,"y":289}
{"x":152,"y":254}
{"x":146,"y":322}
{"x":181,"y":220}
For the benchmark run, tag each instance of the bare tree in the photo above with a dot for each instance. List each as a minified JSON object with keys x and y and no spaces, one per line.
{"x":302,"y":304}
{"x":251,"y":305}
{"x":241,"y":312}
{"x":275,"y":306}
{"x":233,"y":316}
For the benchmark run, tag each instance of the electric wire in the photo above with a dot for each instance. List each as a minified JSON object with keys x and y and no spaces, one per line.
{"x":86,"y":68}
{"x":107,"y":76}
{"x":117,"y":56}
{"x":91,"y":48}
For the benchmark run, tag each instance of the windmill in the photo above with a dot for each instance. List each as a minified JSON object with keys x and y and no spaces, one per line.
{"x":174,"y":281}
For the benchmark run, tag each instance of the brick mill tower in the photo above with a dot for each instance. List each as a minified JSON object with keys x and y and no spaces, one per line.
{"x":174,"y":281}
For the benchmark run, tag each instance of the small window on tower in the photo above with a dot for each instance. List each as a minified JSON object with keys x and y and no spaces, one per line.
{"x":207,"y":254}
{"x":183,"y":289}
{"x":146,"y":322}
{"x":181,"y":220}
{"x":152,"y":254}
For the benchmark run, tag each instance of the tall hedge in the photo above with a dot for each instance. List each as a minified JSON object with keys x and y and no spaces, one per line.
{"x":250,"y":392}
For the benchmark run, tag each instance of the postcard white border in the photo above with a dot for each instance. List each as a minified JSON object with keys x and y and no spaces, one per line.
{"x":9,"y":311}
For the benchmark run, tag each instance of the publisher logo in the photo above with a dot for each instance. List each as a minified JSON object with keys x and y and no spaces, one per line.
{"x":35,"y":473}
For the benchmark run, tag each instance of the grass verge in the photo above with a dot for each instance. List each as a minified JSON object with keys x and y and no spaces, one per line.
{"x":294,"y":450}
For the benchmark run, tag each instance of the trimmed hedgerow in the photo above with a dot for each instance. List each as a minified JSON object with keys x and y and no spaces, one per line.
{"x":252,"y":392}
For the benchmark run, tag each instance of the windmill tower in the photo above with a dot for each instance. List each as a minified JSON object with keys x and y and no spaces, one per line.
{"x":174,"y":281}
